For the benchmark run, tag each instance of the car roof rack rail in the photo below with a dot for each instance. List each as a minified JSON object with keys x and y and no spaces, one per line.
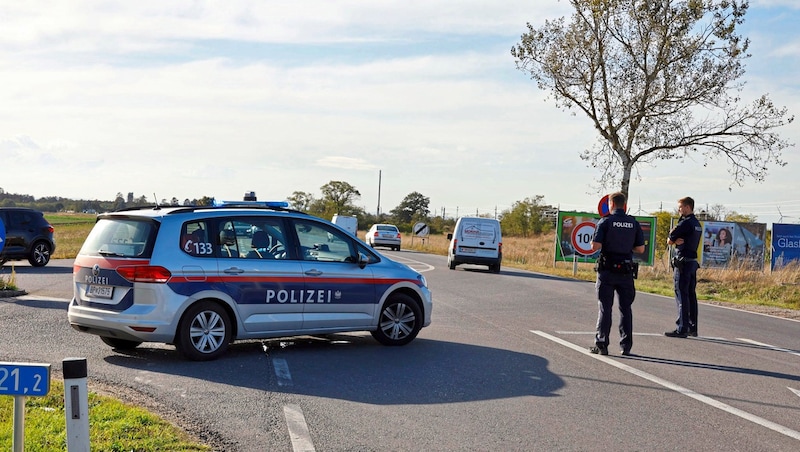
{"x":280,"y":206}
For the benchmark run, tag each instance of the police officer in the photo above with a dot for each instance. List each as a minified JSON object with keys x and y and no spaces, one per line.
{"x":617,"y":237}
{"x":686,"y":238}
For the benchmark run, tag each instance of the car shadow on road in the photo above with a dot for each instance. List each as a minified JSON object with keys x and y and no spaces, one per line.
{"x":356,"y":368}
{"x":36,"y":303}
{"x":7,"y":268}
{"x":518,"y":274}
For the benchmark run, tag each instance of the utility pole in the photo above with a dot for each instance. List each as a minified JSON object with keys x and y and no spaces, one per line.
{"x":378,"y":213}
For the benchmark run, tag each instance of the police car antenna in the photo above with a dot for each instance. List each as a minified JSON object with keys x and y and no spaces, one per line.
{"x":156,"y":200}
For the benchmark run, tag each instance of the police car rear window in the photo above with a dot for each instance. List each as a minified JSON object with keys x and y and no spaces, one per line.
{"x":120,"y":238}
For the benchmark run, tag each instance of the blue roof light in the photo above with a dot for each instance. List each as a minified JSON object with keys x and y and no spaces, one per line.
{"x":280,"y":204}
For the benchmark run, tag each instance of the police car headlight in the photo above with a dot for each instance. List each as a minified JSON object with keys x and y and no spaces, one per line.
{"x":423,"y":281}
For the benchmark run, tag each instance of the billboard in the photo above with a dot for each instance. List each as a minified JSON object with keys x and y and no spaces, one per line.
{"x":575,"y":230}
{"x":785,"y":244}
{"x":724,"y":241}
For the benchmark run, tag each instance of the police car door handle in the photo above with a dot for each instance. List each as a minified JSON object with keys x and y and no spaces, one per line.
{"x":233,"y":270}
{"x":313,"y":272}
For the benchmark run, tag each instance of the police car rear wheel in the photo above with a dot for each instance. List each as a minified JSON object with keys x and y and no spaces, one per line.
{"x":204,"y":332}
{"x":120,"y":344}
{"x":399,"y":322}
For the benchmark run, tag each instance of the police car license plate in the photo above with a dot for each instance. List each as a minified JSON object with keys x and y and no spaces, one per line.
{"x":99,"y":291}
{"x":468,"y":250}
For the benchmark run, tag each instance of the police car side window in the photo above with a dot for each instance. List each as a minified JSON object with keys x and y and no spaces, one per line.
{"x":267,"y":239}
{"x":228,"y":243}
{"x":319,"y":243}
{"x":195,"y":240}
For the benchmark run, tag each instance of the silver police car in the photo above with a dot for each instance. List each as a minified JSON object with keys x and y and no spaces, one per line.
{"x":203,"y":277}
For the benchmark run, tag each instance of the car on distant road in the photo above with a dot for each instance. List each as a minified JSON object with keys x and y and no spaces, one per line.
{"x":203,"y":277}
{"x":384,"y":235}
{"x":28,"y":236}
{"x":476,"y":240}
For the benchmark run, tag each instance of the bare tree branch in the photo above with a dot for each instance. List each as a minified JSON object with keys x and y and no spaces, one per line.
{"x":659,"y":79}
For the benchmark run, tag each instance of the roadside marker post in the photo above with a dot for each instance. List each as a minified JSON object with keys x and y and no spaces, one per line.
{"x":76,"y":404}
{"x":23,"y":380}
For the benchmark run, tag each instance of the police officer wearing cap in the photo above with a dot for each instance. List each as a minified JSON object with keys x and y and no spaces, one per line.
{"x":617,"y":236}
{"x":686,"y":238}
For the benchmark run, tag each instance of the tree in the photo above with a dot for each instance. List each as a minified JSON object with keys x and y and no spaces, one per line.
{"x":663,"y":226}
{"x":658,"y":79}
{"x":338,"y":197}
{"x":119,"y":202}
{"x":526,"y":217}
{"x":737,"y":217}
{"x":413,"y":207}
{"x":205,"y":201}
{"x":301,"y":201}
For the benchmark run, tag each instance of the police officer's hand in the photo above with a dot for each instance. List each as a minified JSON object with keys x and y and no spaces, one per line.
{"x":679,"y":242}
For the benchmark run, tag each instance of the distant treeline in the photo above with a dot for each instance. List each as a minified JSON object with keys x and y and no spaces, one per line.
{"x":59,"y":204}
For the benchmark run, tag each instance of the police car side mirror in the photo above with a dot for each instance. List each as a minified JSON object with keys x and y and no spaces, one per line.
{"x":449,"y":236}
{"x":363,"y":260}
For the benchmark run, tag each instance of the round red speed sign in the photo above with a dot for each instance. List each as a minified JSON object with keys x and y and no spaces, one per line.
{"x":582,"y":237}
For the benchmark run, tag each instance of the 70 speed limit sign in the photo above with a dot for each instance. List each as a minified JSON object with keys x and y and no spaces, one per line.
{"x":582,"y":238}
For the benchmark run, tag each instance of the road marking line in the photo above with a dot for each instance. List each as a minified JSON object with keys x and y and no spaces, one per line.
{"x":282,"y":372}
{"x":795,"y":391}
{"x":406,"y":260}
{"x":680,"y":389}
{"x":298,"y":429}
{"x":41,"y":298}
{"x":771,"y":347}
{"x":592,"y":333}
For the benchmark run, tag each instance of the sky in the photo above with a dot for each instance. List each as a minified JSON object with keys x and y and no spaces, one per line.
{"x":187,"y":99}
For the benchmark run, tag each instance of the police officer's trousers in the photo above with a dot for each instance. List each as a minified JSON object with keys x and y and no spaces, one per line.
{"x":685,"y":279}
{"x":607,"y":285}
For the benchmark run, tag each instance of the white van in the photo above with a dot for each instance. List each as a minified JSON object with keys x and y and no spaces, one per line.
{"x":348,"y":223}
{"x":476,"y":241}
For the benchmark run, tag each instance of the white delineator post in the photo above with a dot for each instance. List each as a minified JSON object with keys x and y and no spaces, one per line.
{"x":76,"y":404}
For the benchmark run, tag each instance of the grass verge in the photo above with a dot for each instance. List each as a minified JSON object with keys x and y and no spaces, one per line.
{"x":113,"y":425}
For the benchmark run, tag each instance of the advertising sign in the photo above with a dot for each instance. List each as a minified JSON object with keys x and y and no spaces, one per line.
{"x":575,"y":231}
{"x":785,"y":244}
{"x":717,"y":243}
{"x":726,"y":241}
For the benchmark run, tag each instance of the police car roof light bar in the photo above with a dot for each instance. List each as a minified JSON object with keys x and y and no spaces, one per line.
{"x":270,"y":204}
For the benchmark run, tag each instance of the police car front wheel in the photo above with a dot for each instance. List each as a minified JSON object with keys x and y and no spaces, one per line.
{"x":399,"y":322}
{"x":204,"y":332}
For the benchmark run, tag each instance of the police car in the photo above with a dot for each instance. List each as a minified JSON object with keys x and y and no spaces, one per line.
{"x":203,"y":277}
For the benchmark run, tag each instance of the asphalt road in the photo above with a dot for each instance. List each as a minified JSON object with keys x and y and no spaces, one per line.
{"x":504,"y":366}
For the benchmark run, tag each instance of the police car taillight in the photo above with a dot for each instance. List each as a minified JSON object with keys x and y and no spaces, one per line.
{"x":145,"y":273}
{"x":455,"y":245}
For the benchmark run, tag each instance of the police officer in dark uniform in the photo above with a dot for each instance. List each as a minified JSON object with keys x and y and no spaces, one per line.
{"x":686,"y":238}
{"x":617,"y":236}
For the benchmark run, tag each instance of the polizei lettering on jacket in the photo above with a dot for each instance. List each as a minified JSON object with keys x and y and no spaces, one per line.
{"x":622,"y":224}
{"x":299,"y":296}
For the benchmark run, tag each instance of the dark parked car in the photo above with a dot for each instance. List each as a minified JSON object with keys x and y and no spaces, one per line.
{"x":28,"y":236}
